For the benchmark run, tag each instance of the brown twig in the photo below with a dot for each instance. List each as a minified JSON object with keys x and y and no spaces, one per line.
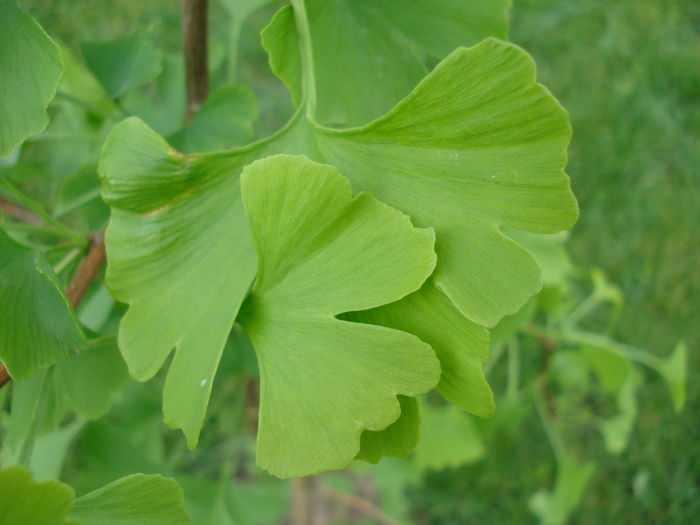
{"x":194,"y":40}
{"x":79,"y":284}
{"x":18,"y":212}
{"x":360,"y":504}
{"x":88,"y":269}
{"x":4,"y":376}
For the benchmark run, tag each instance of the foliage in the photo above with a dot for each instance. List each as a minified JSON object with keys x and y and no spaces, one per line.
{"x":353,"y":306}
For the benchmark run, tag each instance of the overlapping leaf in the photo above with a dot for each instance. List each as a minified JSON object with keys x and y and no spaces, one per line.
{"x":30,"y":68}
{"x":180,"y":253}
{"x":37,"y":324}
{"x":134,"y":500}
{"x":367,"y":54}
{"x":323,"y":253}
{"x":23,"y":500}
{"x":124,"y":63}
{"x":476,"y":146}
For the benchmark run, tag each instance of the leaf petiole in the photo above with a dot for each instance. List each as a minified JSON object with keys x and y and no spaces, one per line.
{"x":25,"y":455}
{"x":307,"y":58}
{"x":80,"y":238}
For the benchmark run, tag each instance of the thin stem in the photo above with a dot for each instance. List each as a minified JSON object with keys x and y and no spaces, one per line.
{"x":39,"y":210}
{"x":194,"y":37}
{"x":513,"y":369}
{"x":18,"y":212}
{"x":307,"y":57}
{"x":361,"y":504}
{"x":626,"y":351}
{"x":547,"y":423}
{"x":4,"y":376}
{"x":88,"y":270}
{"x":25,"y":455}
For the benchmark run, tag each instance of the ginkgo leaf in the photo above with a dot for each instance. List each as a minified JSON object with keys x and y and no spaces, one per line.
{"x":478,"y":145}
{"x":37,"y":324}
{"x":461,"y":346}
{"x":323,"y":253}
{"x":179,"y":252}
{"x":24,"y":501}
{"x":224,"y":120}
{"x":554,"y":507}
{"x":134,"y":500}
{"x":367,"y":54}
{"x":398,"y":439}
{"x":30,"y":68}
{"x":124,"y":63}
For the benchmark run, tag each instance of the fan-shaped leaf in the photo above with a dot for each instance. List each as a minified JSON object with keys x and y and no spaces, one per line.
{"x":367,"y":54}
{"x":37,"y":324}
{"x":134,"y":500}
{"x":323,"y":253}
{"x":124,"y":63}
{"x":24,"y":501}
{"x":30,"y":68}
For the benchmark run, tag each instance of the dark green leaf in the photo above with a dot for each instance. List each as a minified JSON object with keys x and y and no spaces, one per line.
{"x":30,"y":68}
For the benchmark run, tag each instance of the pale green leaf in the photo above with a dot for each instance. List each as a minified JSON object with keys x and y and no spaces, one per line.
{"x":30,"y":68}
{"x":37,"y":324}
{"x":448,"y":438}
{"x":91,"y":378}
{"x":124,"y":63}
{"x":134,"y":500}
{"x":225,"y":120}
{"x":397,"y":440}
{"x":461,"y":346}
{"x":179,"y":252}
{"x":323,"y":253}
{"x":367,"y":54}
{"x":548,"y":251}
{"x":478,"y":145}
{"x":617,"y":429}
{"x":24,"y":501}
{"x":555,"y":507}
{"x":674,"y":370}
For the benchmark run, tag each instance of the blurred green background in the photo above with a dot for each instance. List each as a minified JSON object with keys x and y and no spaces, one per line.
{"x":628,"y":72}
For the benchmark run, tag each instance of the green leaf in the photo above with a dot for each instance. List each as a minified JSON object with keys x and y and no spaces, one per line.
{"x":616,"y":430}
{"x":554,"y":508}
{"x":674,"y":370}
{"x":461,"y":346}
{"x":448,"y":438}
{"x":37,"y":324}
{"x":134,"y":500}
{"x":478,"y":145}
{"x":179,"y":252}
{"x":124,"y":63}
{"x":91,"y":378}
{"x":549,"y":252}
{"x":323,"y":253}
{"x":367,"y":54}
{"x":24,"y":501}
{"x":397,"y":440}
{"x":30,"y":68}
{"x":225,"y":120}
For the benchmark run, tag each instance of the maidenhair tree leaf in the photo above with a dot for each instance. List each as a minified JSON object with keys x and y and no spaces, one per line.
{"x":124,"y":63}
{"x":37,"y":324}
{"x":461,"y":346}
{"x":134,"y":500}
{"x":179,"y":252}
{"x":30,"y":68}
{"x":478,"y":145}
{"x":24,"y":501}
{"x":91,"y":378}
{"x":367,"y":54}
{"x":225,"y":120}
{"x":398,"y":439}
{"x":554,"y":507}
{"x":448,"y":438}
{"x":323,"y":253}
